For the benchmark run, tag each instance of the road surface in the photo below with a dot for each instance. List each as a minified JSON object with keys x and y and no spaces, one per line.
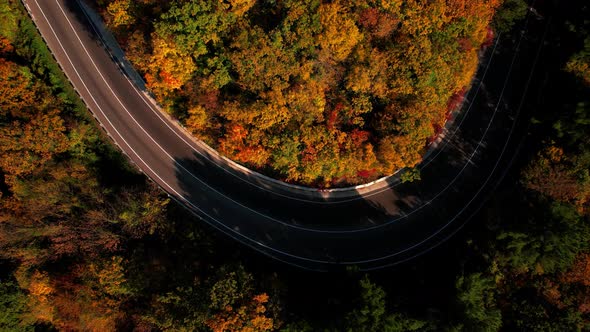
{"x":383,"y":224}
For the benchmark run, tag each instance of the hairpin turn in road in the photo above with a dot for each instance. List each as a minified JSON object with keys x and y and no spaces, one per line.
{"x":383,"y":224}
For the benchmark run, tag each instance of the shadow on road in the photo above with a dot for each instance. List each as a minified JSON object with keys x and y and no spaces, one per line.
{"x":94,"y":27}
{"x":390,"y":225}
{"x":376,"y":228}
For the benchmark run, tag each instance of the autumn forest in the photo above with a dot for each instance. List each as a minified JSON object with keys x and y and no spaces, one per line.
{"x":322,"y":93}
{"x":312,"y":92}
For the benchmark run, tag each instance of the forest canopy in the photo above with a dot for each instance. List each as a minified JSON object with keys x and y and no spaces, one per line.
{"x":312,"y":92}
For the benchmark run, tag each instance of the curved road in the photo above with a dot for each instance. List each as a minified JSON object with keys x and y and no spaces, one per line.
{"x":378,"y":225}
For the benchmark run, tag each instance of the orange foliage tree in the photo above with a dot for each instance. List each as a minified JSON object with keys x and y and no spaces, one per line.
{"x":246,"y":318}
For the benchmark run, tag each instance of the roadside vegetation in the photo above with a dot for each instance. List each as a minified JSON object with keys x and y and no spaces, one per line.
{"x":313,"y":92}
{"x":87,"y":243}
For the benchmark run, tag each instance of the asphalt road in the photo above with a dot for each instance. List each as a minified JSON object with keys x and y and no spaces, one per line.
{"x":375,"y":226}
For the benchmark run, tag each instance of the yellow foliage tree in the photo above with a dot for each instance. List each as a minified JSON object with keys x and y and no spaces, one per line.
{"x":197,"y":119}
{"x":340,"y":34}
{"x":580,"y":66}
{"x":18,"y":92}
{"x":119,"y":11}
{"x":26,"y":146}
{"x":41,"y":293}
{"x":239,"y":7}
{"x":246,"y":318}
{"x":169,"y":68}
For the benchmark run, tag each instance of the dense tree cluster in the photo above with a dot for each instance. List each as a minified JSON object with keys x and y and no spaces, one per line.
{"x":314,"y":92}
